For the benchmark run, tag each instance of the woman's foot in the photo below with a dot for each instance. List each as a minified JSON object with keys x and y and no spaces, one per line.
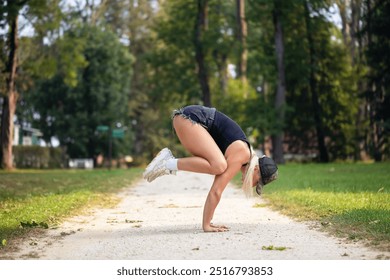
{"x":157,"y":167}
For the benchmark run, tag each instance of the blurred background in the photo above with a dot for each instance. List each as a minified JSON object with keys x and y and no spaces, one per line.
{"x":92,"y":83}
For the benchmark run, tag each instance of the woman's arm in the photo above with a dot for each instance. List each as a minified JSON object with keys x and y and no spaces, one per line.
{"x":235,"y":162}
{"x":211,"y":203}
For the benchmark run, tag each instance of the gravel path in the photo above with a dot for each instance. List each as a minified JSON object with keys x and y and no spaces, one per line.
{"x":162,"y":220}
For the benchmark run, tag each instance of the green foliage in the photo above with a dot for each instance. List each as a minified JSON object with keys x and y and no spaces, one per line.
{"x":337,"y":93}
{"x":82,"y":96}
{"x":335,"y":79}
{"x":254,"y":113}
{"x":173,"y":58}
{"x":75,"y":72}
{"x":378,"y":78}
{"x":72,"y":48}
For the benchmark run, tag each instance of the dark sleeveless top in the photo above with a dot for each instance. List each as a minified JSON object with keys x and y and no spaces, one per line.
{"x":222,"y":129}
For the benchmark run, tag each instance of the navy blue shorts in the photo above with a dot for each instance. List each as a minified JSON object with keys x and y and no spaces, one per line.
{"x":222,"y":129}
{"x":197,"y":114}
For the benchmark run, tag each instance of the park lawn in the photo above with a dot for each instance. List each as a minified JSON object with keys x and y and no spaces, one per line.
{"x":349,"y":199}
{"x":41,"y":199}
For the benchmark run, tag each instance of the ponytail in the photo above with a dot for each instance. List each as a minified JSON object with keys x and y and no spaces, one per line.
{"x":247,"y":183}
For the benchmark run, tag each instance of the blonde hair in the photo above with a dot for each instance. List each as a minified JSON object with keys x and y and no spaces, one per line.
{"x":247,"y":183}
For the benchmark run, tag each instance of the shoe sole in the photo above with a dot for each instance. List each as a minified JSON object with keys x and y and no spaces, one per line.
{"x":163,"y":153}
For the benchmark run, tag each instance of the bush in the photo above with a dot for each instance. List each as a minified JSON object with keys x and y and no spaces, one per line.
{"x":58,"y":158}
{"x":38,"y":157}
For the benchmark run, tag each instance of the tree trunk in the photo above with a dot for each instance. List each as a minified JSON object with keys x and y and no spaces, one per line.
{"x":9,"y":105}
{"x":356,"y":51}
{"x":355,"y":29}
{"x":242,"y":34}
{"x":350,"y":16}
{"x":200,"y":27}
{"x":350,"y":13}
{"x":376,"y":95}
{"x":324,"y":157}
{"x":343,"y":7}
{"x":221,"y":62}
{"x":280,"y":99}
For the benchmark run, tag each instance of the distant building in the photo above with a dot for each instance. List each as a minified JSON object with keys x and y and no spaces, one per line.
{"x":25,"y":136}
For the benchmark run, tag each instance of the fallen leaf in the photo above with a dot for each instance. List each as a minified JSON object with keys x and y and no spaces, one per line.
{"x":132,"y":221}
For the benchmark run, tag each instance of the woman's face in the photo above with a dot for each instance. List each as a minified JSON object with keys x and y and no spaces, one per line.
{"x":256,"y":174}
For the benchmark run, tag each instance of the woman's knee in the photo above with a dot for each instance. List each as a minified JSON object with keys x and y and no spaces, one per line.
{"x":218,"y":167}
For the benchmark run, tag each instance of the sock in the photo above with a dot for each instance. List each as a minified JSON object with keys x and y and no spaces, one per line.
{"x":172,"y":164}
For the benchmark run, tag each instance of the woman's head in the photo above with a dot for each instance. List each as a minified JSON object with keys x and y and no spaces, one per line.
{"x":268,"y":172}
{"x":257,"y":173}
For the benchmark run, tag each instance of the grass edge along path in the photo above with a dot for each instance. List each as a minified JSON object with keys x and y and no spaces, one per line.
{"x":41,"y":199}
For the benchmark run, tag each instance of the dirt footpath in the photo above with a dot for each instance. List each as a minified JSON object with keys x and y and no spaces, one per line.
{"x":162,"y":220}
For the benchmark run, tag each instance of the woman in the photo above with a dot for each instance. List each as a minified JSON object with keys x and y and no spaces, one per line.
{"x":218,"y":147}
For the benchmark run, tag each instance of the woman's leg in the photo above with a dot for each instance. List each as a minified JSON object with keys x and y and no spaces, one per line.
{"x":207,"y":157}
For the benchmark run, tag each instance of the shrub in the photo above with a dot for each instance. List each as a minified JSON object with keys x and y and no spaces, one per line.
{"x":38,"y":157}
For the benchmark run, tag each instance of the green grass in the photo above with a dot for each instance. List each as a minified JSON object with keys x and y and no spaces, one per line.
{"x":352,"y":200}
{"x":348,"y":199}
{"x":38,"y":198}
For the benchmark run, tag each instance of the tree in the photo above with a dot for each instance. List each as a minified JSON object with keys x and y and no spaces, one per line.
{"x":73,"y":111}
{"x":10,"y":13}
{"x":280,"y":98}
{"x":133,"y":21}
{"x":328,"y":70}
{"x":223,"y":45}
{"x":9,"y":17}
{"x":242,"y":33}
{"x":377,"y":20}
{"x":287,"y":44}
{"x":317,"y":111}
{"x":199,"y":29}
{"x":352,"y":22}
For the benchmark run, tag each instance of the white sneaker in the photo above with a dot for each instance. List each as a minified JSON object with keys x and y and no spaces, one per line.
{"x":157,"y":167}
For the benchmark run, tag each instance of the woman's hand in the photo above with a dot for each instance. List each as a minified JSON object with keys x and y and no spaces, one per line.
{"x":236,"y":155}
{"x":215,"y":228}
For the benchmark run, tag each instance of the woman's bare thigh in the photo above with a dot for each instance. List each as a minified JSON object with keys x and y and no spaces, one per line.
{"x":197,"y":140}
